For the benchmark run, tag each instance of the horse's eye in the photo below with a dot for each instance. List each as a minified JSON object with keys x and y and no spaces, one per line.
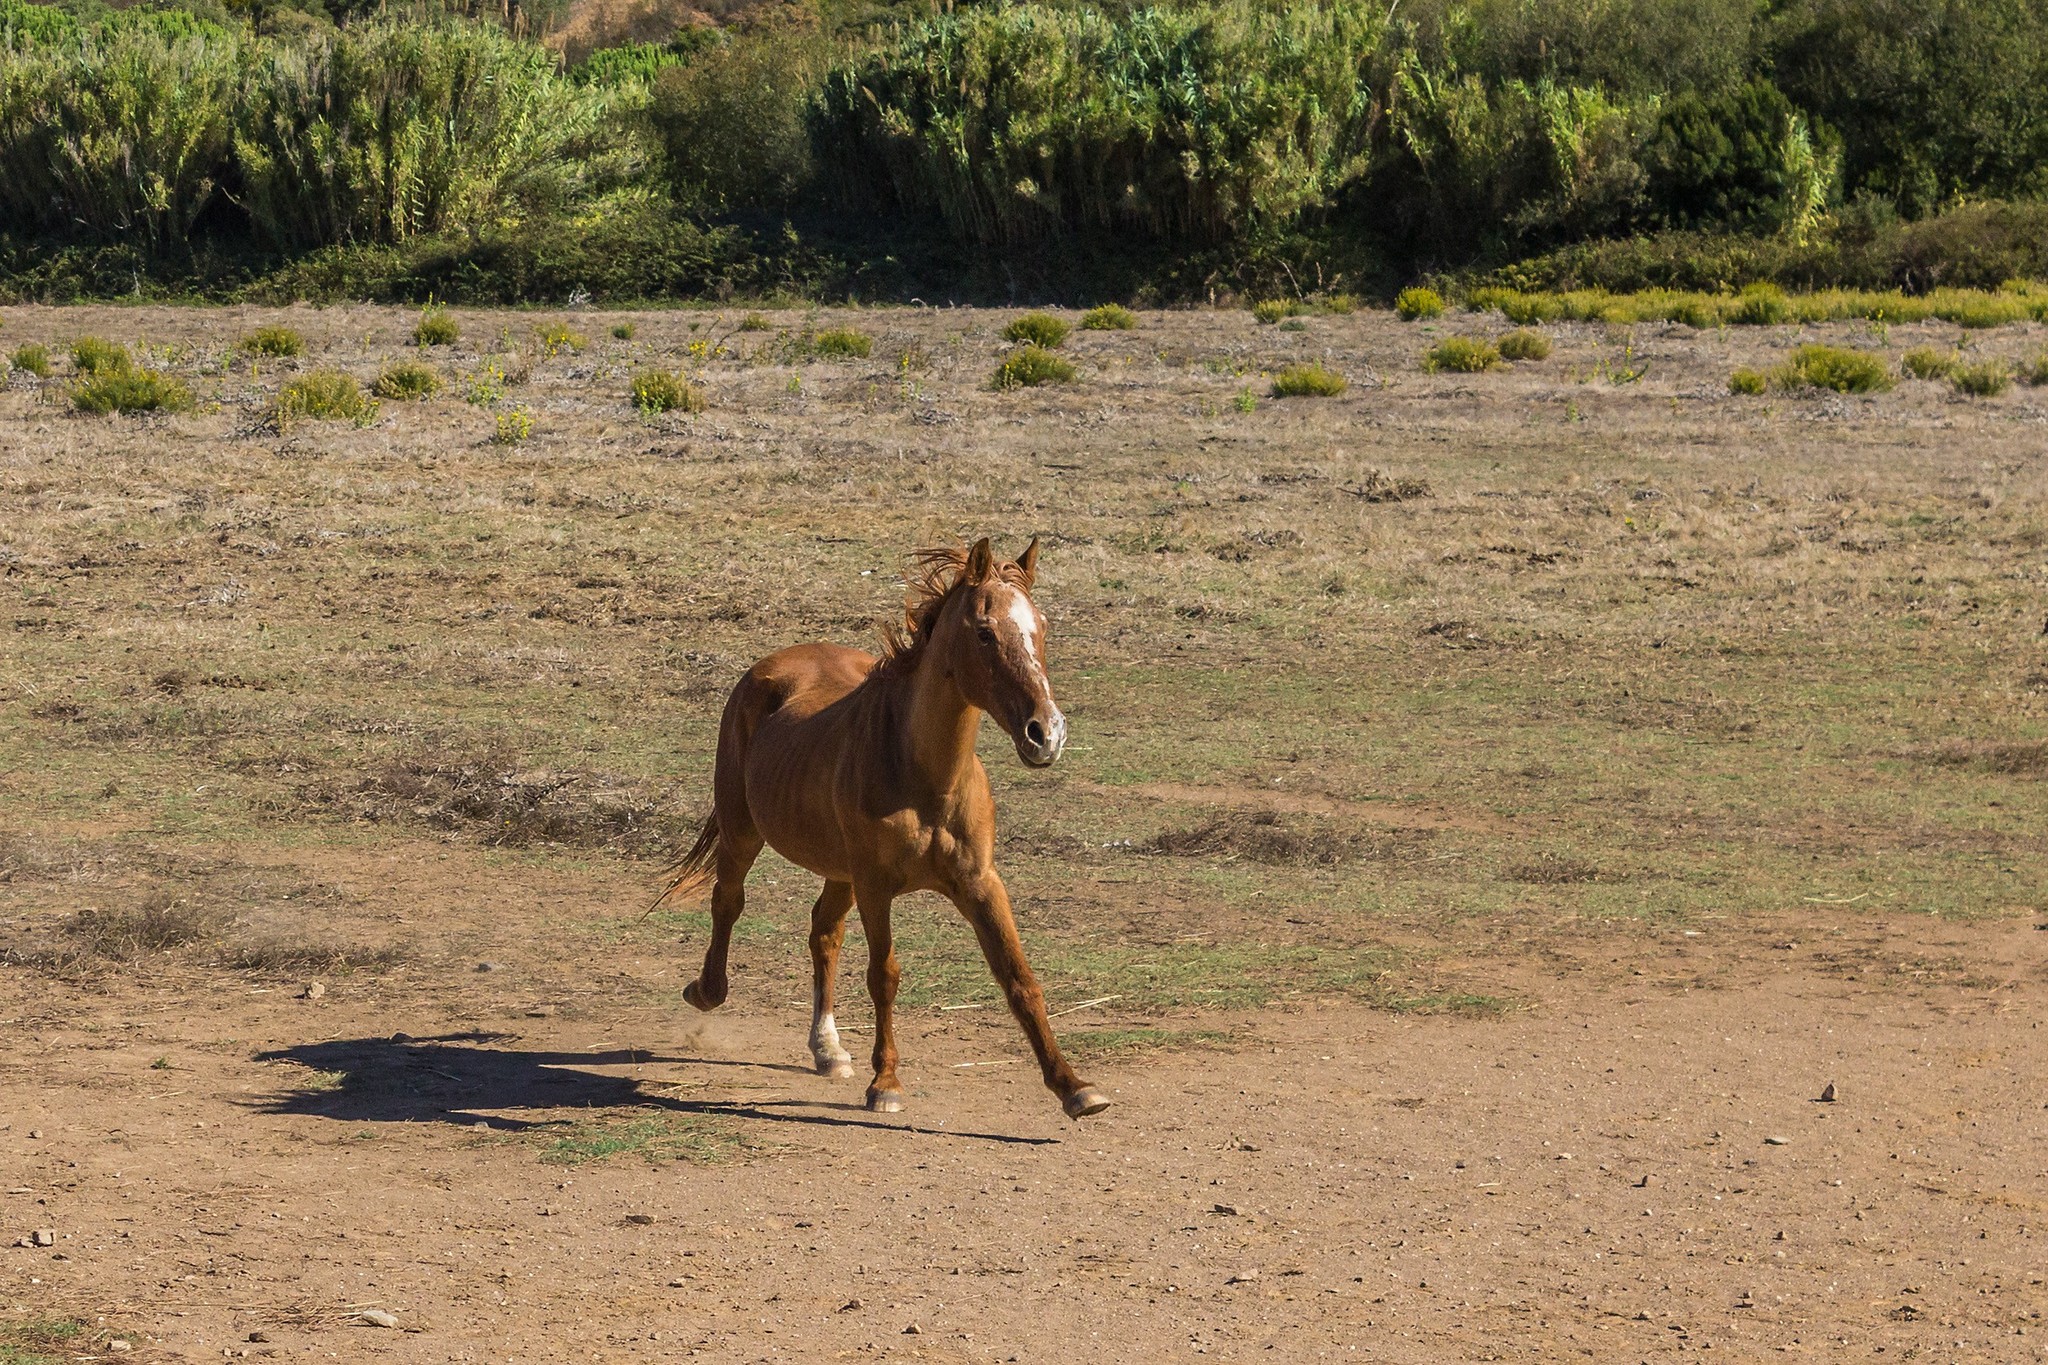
{"x":987,"y":634}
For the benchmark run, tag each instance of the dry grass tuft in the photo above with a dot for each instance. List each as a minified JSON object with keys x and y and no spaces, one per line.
{"x":1262,"y":837}
{"x":158,"y":925}
{"x":2021,"y":759}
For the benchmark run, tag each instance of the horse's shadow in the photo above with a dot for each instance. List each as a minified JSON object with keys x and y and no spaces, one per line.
{"x":469,"y":1080}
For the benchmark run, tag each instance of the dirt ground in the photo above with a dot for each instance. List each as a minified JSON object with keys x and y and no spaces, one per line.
{"x":1500,"y":807}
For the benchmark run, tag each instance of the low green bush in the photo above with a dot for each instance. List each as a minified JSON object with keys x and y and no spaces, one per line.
{"x":1308,"y":380}
{"x":91,"y":355}
{"x":130,"y":390}
{"x":1523,"y":344}
{"x":1110,"y":317}
{"x":512,"y":427}
{"x":660,"y":391}
{"x":557,"y":337}
{"x":1981,"y":379}
{"x":1748,"y":381}
{"x":1037,"y":329}
{"x":623,"y":331}
{"x":1759,"y":305}
{"x":435,"y":328}
{"x":407,"y":382}
{"x":1029,"y":366}
{"x":843,"y":343}
{"x":32,"y":357}
{"x":1418,"y":302}
{"x":1273,"y":310}
{"x":754,"y":322}
{"x":277,"y":342}
{"x":324,"y":396}
{"x":2035,"y":371}
{"x":1694,"y":313}
{"x":1924,"y":362}
{"x":1462,"y":355}
{"x":1833,"y":367}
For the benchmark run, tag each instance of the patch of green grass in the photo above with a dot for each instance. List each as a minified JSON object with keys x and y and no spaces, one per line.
{"x":1462,"y":355}
{"x":126,"y":390}
{"x":701,"y":1139}
{"x":755,"y":322}
{"x":1091,"y":1044}
{"x":1037,"y":329}
{"x":1924,"y":362}
{"x":656,"y":391}
{"x":1110,"y":317}
{"x":324,"y":396}
{"x":1270,"y":311}
{"x":1418,"y":303}
{"x":841,"y":343}
{"x":1981,"y":379}
{"x":622,"y":331}
{"x":40,"y":1341}
{"x":94,"y":355}
{"x":1523,"y":344}
{"x":1309,"y":380}
{"x":1029,"y":366}
{"x":2035,"y":371}
{"x":435,"y":328}
{"x":1760,"y":305}
{"x":407,"y":382}
{"x":1832,"y":367}
{"x":277,"y":342}
{"x":557,"y":337}
{"x":32,"y":357}
{"x":1748,"y":381}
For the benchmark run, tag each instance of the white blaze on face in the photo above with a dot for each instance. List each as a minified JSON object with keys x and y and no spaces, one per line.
{"x":1024,"y":616}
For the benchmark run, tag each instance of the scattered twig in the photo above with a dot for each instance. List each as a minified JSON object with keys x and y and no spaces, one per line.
{"x":1099,"y":1000}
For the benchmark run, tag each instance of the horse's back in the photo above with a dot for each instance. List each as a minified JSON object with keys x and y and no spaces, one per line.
{"x":805,"y":678}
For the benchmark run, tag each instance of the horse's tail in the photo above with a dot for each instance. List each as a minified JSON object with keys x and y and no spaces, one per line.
{"x":694,"y":868}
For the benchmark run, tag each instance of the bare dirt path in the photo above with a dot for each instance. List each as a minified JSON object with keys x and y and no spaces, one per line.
{"x":1626,"y":1170}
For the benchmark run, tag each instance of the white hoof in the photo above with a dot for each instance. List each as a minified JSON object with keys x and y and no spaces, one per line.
{"x":838,"y":1068}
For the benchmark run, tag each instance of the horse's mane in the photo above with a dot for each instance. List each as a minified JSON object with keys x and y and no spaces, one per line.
{"x":928,"y":583}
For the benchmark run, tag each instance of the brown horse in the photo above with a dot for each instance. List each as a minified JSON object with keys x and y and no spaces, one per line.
{"x":863,"y":771}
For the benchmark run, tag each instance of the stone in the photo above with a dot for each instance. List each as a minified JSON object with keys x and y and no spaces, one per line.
{"x":44,"y":1237}
{"x":377,"y":1317}
{"x":312,"y":990}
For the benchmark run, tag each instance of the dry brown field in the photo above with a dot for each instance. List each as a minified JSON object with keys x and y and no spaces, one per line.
{"x":1497,"y":807}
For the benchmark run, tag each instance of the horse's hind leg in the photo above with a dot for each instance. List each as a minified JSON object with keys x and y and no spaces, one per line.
{"x":828,"y":929}
{"x":728,"y":898}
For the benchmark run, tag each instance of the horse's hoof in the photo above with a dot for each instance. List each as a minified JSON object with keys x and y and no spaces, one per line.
{"x":695,"y":994}
{"x":885,"y":1101}
{"x":1085,"y":1101}
{"x":838,"y":1068}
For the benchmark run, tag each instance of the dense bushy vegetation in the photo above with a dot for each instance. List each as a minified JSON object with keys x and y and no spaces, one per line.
{"x":1278,"y":148}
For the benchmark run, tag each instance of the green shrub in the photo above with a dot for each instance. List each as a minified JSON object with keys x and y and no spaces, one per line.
{"x":280,"y":342}
{"x":1308,"y":380}
{"x":1748,"y":381}
{"x":557,"y":337}
{"x":1417,"y":302}
{"x":1030,"y":366}
{"x":1339,"y":305}
{"x":435,"y":328}
{"x":660,"y":391}
{"x":1759,"y":306}
{"x":1982,"y":379}
{"x":1270,"y":311}
{"x":1462,"y":355}
{"x":1694,"y":313}
{"x":2035,"y":371}
{"x":1037,"y":329}
{"x":842,"y":343}
{"x":1924,"y":362}
{"x":1524,"y":344}
{"x":623,"y":331}
{"x":512,"y":427}
{"x":1833,"y":367}
{"x":130,"y":390}
{"x":1110,"y":317}
{"x":754,"y":322}
{"x":407,"y":382}
{"x":394,"y":128}
{"x":733,"y":123}
{"x":324,"y":396}
{"x":32,"y":357}
{"x":91,"y":355}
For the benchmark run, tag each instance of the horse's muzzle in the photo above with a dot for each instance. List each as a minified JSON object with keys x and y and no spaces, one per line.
{"x":1040,"y":739}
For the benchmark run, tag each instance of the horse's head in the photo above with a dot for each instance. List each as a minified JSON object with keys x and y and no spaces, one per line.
{"x":994,"y":644}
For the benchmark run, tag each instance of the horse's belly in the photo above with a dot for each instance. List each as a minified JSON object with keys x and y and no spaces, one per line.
{"x":790,"y":779}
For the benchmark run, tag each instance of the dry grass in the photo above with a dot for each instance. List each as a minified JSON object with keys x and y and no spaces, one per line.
{"x":1435,"y":626}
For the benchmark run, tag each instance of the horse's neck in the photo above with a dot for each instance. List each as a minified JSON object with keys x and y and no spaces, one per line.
{"x":936,"y":726}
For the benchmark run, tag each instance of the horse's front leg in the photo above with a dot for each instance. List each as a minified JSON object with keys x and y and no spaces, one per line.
{"x":986,"y":904}
{"x":828,"y":929}
{"x":885,"y":1092}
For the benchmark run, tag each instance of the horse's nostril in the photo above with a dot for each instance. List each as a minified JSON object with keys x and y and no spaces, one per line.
{"x":1035,"y":732}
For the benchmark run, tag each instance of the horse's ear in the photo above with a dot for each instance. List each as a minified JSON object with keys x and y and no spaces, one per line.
{"x":1027,"y":564}
{"x":981,"y":562}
